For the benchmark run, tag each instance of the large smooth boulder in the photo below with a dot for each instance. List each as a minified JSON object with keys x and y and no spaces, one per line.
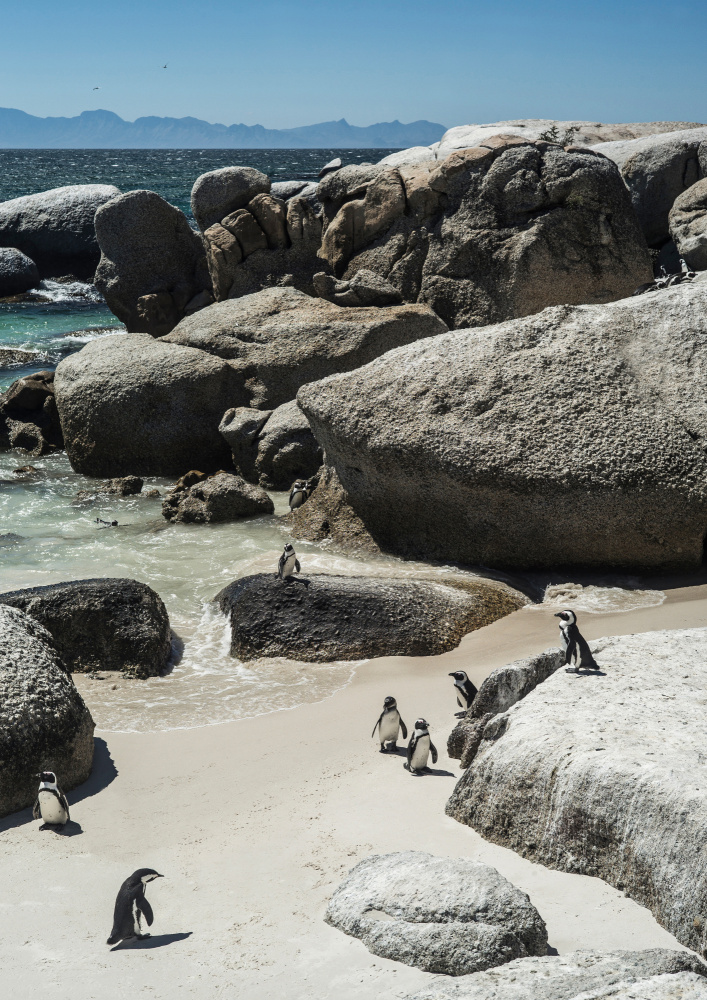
{"x":688,"y":224}
{"x":44,"y":724}
{"x":280,"y":338}
{"x":497,"y":231}
{"x":104,"y":624}
{"x":133,"y":405}
{"x":653,"y":974}
{"x":223,"y":497}
{"x":449,"y":915}
{"x":28,"y":415}
{"x":605,"y":774}
{"x":219,"y":192}
{"x":56,"y":228}
{"x":153,"y":264}
{"x":656,"y":170}
{"x":573,"y":437}
{"x":17,"y":272}
{"x":272,"y":447}
{"x":317,"y":618}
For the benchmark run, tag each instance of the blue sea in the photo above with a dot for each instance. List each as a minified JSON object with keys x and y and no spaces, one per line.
{"x":64,"y":317}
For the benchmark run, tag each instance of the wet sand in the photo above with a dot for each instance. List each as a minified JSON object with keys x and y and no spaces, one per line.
{"x":255,"y":822}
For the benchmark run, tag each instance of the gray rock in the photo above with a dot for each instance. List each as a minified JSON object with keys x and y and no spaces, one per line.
{"x":240,"y":427}
{"x":28,"y":415}
{"x":573,"y":437}
{"x":280,"y":338}
{"x":289,"y":189}
{"x":106,"y":624}
{"x":152,"y":264}
{"x":317,"y":618}
{"x":366,"y":288}
{"x":656,"y":170}
{"x":328,"y":516}
{"x":126,"y":486}
{"x":132,"y":405}
{"x":17,"y":272}
{"x":220,"y":192}
{"x":10,"y":358}
{"x":272,"y":447}
{"x":409,"y":157}
{"x":493,"y":232}
{"x":688,"y":225}
{"x":44,"y":723}
{"x":658,"y":974}
{"x":606,"y":775}
{"x":329,"y":167}
{"x":55,"y":228}
{"x":222,"y":497}
{"x":449,"y":915}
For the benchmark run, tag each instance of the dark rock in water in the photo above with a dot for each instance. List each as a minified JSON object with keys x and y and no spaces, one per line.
{"x":329,"y":167}
{"x":652,"y":974}
{"x":56,"y":228}
{"x":450,"y":915}
{"x":219,"y":192}
{"x":280,"y":338}
{"x":8,"y":538}
{"x":133,"y":405}
{"x":152,"y":263}
{"x":18,"y":273}
{"x":127,"y":486}
{"x":318,"y":618}
{"x":10,"y":357}
{"x":222,"y":497}
{"x":44,"y":724}
{"x":272,"y":447}
{"x":28,"y":415}
{"x":105,"y":624}
{"x":25,"y":470}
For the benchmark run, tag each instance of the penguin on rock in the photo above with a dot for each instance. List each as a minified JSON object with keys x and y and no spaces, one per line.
{"x":299,"y":493}
{"x":388,"y":725}
{"x":465,"y":691}
{"x":420,"y":747}
{"x":131,"y":905}
{"x":51,"y":805}
{"x":289,"y":563}
{"x":578,"y":655}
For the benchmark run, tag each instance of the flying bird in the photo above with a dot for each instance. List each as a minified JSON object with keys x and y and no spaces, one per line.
{"x":165,"y":66}
{"x":96,"y":88}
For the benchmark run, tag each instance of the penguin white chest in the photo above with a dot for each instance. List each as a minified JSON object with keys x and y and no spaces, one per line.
{"x":390,"y":724}
{"x":51,"y":808}
{"x":462,"y":698}
{"x":297,"y":500}
{"x":420,"y":753}
{"x":288,"y":568}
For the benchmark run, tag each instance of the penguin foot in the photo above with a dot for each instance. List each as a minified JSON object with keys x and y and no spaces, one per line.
{"x":382,"y":749}
{"x":571,"y":670}
{"x":142,"y":937}
{"x":459,"y":715}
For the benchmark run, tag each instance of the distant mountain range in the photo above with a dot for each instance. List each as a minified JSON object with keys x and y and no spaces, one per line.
{"x":106,"y":130}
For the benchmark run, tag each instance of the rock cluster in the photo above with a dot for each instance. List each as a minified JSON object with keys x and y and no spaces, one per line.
{"x":319,"y":618}
{"x":28,"y":415}
{"x":448,"y":915}
{"x":44,"y":723}
{"x":106,"y":624}
{"x":271,"y":447}
{"x":605,"y":774}
{"x":211,"y":499}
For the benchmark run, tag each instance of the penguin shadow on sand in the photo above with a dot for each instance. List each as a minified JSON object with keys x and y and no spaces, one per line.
{"x":152,"y":941}
{"x":429,"y":772}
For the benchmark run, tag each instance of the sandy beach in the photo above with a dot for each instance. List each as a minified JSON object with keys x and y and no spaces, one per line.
{"x":255,"y":822}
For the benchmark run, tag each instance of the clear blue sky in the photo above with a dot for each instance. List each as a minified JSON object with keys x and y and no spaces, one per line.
{"x":283,"y":64}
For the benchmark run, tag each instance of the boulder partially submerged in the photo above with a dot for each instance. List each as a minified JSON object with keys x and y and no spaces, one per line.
{"x":28,"y":415}
{"x":605,"y":775}
{"x":105,"y":624}
{"x":449,"y":915}
{"x":44,"y":723}
{"x":318,"y":617}
{"x":17,"y":272}
{"x":573,"y":437}
{"x":217,"y":498}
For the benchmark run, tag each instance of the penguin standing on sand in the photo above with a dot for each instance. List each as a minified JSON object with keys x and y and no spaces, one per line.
{"x":51,"y":805}
{"x":465,"y":691}
{"x":289,"y":563}
{"x":299,"y":493}
{"x":420,"y":747}
{"x":389,"y":724}
{"x":578,"y":655}
{"x":131,"y":905}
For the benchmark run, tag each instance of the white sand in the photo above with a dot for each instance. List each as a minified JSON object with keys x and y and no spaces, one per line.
{"x":255,"y":822}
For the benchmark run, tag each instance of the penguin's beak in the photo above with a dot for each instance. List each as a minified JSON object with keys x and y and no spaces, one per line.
{"x":450,"y":675}
{"x":558,"y":615}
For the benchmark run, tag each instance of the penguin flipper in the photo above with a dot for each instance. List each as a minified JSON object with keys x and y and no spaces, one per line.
{"x":585,"y":655}
{"x":411,"y":749}
{"x":36,"y":811}
{"x":376,"y":725}
{"x":433,"y":751}
{"x":146,"y":910}
{"x":571,"y":650}
{"x":297,"y":566}
{"x":404,"y":729}
{"x":65,"y":804}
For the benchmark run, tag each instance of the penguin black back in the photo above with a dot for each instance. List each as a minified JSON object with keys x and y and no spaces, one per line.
{"x":131,"y":905}
{"x":578,"y":655}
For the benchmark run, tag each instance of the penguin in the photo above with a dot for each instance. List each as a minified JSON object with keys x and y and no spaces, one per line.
{"x":574,"y":645}
{"x":288,"y":564}
{"x":419,"y":747}
{"x":465,"y":691}
{"x":51,"y":805}
{"x":299,"y":493}
{"x":131,"y":905}
{"x":106,"y":524}
{"x":687,"y":272}
{"x":388,"y":725}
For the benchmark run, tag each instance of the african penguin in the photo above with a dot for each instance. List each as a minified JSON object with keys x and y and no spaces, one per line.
{"x":299,"y":493}
{"x":419,"y":747}
{"x":51,"y":804}
{"x":464,"y":689}
{"x":389,"y":724}
{"x":574,"y":645}
{"x":288,"y":564}
{"x":131,"y":905}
